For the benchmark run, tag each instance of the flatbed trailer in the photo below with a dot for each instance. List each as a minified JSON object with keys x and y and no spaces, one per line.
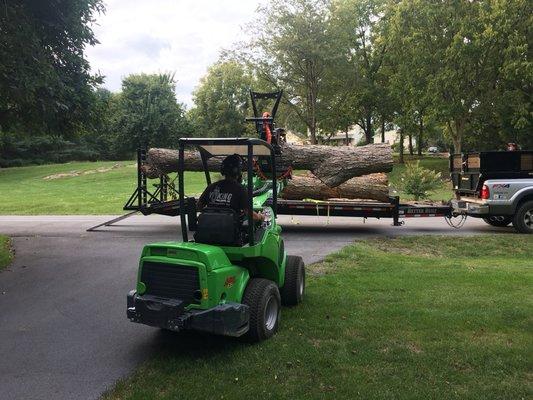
{"x":161,"y":198}
{"x":363,"y":209}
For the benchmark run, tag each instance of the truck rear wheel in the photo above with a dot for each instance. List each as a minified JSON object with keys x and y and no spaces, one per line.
{"x":262,"y":296}
{"x":293,"y":290}
{"x":499,"y":221}
{"x":523,"y":219}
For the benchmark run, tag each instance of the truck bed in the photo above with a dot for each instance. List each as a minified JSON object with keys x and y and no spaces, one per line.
{"x":469,"y":170}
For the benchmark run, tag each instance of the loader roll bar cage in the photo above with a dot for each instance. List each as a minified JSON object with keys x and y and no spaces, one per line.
{"x":209,"y":147}
{"x":260,"y":120}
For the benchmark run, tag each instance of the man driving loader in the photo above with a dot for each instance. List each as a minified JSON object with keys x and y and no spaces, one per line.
{"x":228,"y":192}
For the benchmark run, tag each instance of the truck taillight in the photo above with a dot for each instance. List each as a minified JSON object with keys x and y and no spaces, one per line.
{"x":485,"y":194}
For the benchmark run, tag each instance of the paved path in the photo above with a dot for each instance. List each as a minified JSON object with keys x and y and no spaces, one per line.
{"x":63,"y":329}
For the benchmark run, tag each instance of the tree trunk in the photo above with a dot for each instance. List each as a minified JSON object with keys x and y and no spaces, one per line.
{"x":383,"y":130}
{"x":373,"y":187}
{"x":401,"y":161}
{"x":335,"y":165}
{"x":420,"y":135}
{"x":457,"y":148}
{"x":369,"y":133}
{"x":312,"y":134}
{"x":332,"y":165}
{"x":457,"y":134}
{"x":410,"y":136}
{"x":163,"y":161}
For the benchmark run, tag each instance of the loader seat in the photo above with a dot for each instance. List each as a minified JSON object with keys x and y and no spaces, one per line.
{"x":219,"y":226}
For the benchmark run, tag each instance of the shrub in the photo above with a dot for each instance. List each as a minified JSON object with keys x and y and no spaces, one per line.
{"x":419,"y":181}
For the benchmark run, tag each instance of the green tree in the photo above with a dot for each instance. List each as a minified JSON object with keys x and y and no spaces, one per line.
{"x":221,"y":101}
{"x":99,"y":134}
{"x":291,"y":49}
{"x":465,"y":64}
{"x":45,"y":80}
{"x":507,"y":110}
{"x":357,"y":27}
{"x":418,"y":181}
{"x":148,"y":114}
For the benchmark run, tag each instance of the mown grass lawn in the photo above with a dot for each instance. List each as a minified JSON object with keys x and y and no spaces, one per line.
{"x":24,"y":191}
{"x":5,"y":252}
{"x":406,"y":318}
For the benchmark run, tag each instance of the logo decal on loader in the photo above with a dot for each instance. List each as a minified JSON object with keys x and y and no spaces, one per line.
{"x":230,"y":280}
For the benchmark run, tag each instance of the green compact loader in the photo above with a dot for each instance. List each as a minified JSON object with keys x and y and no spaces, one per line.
{"x":234,"y":276}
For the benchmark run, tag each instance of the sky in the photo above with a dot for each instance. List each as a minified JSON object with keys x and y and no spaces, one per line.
{"x":180,"y":36}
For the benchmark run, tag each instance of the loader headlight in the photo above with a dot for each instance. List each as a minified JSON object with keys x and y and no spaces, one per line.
{"x":197,"y":295}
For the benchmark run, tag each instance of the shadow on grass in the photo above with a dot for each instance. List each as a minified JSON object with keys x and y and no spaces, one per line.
{"x":194,"y":345}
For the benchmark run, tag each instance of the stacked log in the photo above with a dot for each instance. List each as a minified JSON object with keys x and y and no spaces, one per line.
{"x":371,"y":187}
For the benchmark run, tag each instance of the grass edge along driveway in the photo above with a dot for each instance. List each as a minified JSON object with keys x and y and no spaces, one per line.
{"x":404,"y":318}
{"x":6,"y":255}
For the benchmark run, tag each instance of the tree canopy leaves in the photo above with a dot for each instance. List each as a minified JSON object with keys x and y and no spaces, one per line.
{"x":45,"y":80}
{"x":221,"y":101}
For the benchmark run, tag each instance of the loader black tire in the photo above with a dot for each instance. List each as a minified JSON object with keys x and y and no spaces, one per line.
{"x":523,"y":218}
{"x":263,"y":298}
{"x":498,"y":221}
{"x":293,"y":290}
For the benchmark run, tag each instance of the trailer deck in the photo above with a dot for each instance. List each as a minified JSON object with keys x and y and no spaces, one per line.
{"x":364,"y":209}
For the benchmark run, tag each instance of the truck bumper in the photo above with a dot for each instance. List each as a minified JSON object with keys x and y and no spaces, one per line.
{"x":469,"y":208}
{"x":229,"y":319}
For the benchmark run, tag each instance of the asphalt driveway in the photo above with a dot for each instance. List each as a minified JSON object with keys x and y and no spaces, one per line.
{"x":63,"y":328}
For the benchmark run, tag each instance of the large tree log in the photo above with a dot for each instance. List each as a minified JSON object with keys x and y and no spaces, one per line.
{"x":163,"y":161}
{"x":335,"y":165}
{"x":373,"y":187}
{"x":332,"y":165}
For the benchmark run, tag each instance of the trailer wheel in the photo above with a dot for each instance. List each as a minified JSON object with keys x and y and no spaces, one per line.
{"x":262,"y":296}
{"x":523,"y":219}
{"x":293,"y":290}
{"x":499,"y":221}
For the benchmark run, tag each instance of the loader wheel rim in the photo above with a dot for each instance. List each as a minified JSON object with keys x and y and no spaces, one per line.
{"x":271,"y":313}
{"x":301,"y":285}
{"x":528,"y":219}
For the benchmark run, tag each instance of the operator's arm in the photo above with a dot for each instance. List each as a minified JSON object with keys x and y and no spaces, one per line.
{"x":257,"y":216}
{"x":244,"y":206}
{"x":202,"y":201}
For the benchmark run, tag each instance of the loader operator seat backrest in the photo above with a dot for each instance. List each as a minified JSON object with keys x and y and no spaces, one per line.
{"x":219,"y":226}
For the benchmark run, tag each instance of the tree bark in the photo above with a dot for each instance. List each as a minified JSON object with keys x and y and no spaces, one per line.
{"x":371,"y":187}
{"x":163,"y":161}
{"x":420,"y":135}
{"x":332,"y":165}
{"x":335,"y":165}
{"x":410,"y":143}
{"x":369,"y":132}
{"x":457,"y":134}
{"x":383,"y":130}
{"x":401,"y":161}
